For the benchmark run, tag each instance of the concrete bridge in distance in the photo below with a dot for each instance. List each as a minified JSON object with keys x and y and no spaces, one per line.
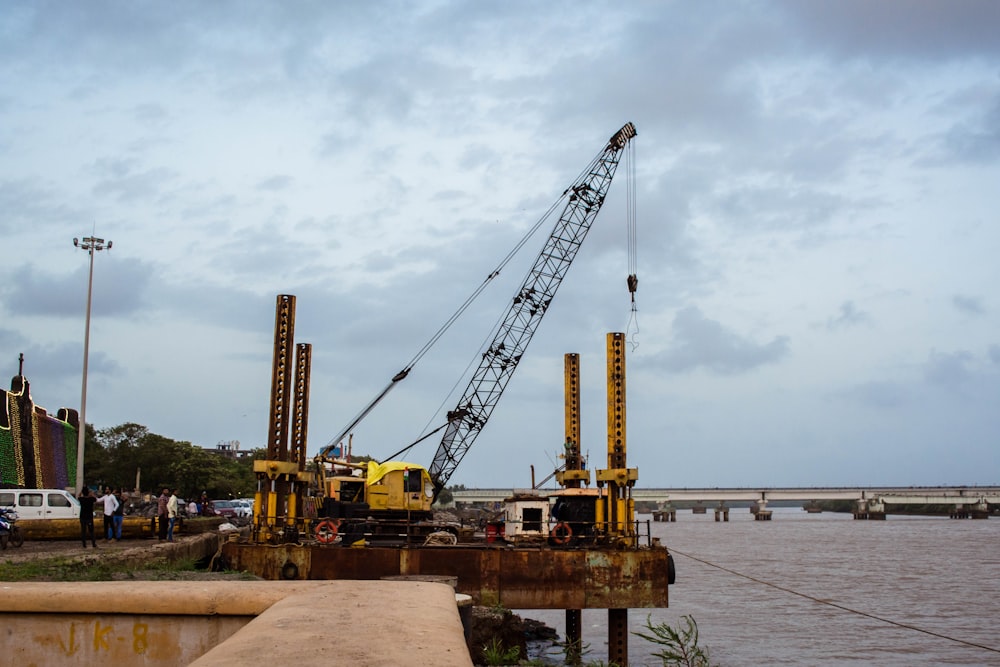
{"x":868,"y":499}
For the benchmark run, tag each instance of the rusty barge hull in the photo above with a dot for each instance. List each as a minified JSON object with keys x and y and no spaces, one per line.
{"x":516,"y":578}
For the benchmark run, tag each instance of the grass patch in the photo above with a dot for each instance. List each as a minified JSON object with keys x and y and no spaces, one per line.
{"x":75,"y":569}
{"x":55,"y":569}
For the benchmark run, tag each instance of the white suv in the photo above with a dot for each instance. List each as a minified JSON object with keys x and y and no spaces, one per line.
{"x":243,"y":507}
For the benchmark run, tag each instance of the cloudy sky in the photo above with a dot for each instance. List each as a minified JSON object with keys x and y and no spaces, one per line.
{"x":816,"y":207}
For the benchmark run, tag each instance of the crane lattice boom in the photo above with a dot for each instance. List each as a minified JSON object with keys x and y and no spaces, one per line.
{"x":586,"y":196}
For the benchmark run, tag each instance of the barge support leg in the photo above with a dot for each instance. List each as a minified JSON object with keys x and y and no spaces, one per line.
{"x":574,"y":636}
{"x":618,"y":636}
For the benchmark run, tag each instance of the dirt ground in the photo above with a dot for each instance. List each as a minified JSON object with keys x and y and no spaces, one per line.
{"x":32,"y":549}
{"x":131,"y":550}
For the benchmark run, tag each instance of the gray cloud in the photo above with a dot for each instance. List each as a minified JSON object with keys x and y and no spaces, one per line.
{"x":699,"y":342}
{"x":916,"y":30}
{"x":119,"y":286}
{"x":948,"y":369}
{"x":28,"y":203}
{"x":123,"y":181}
{"x":848,"y":316}
{"x":275,"y":183}
{"x":976,"y":138}
{"x":969,"y":305}
{"x":879,"y":394}
{"x":151,"y":114}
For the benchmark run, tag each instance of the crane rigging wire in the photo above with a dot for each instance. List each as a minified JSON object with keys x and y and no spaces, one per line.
{"x":491,"y":334}
{"x":632,"y":328}
{"x":444,"y":328}
{"x":594,"y":163}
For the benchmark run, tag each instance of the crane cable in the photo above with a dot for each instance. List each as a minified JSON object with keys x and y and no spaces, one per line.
{"x":882,"y":619}
{"x":491,"y":334}
{"x":496,"y":272}
{"x":632,"y":328}
{"x":461,"y":309}
{"x":448,"y":323}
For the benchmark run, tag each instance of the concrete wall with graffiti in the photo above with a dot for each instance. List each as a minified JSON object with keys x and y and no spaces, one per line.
{"x":37,"y":450}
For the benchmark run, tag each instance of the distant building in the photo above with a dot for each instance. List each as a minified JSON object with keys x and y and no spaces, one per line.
{"x":231,"y":449}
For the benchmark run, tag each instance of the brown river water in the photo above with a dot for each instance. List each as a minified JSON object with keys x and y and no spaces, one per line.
{"x":823,"y":590}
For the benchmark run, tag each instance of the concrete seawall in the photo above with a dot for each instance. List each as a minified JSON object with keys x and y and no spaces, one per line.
{"x":230,"y":623}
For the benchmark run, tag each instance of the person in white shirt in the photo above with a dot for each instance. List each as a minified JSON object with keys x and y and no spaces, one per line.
{"x":171,"y":514}
{"x":110,"y":505}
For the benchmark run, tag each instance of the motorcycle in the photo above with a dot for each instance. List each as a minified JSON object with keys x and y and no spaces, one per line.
{"x":9,"y":532}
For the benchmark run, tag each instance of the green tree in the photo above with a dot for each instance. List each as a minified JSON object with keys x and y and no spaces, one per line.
{"x":196,"y":470}
{"x":93,"y":458}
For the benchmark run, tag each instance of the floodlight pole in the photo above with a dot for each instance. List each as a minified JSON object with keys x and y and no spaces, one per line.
{"x":90,"y":244}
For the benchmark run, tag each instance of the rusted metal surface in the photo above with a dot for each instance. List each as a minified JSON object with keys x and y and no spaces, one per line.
{"x":300,"y":406}
{"x":281,"y":377}
{"x":515,"y":578}
{"x":618,"y":636}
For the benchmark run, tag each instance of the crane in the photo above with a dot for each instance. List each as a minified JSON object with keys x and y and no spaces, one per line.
{"x":498,"y":363}
{"x":529,"y":305}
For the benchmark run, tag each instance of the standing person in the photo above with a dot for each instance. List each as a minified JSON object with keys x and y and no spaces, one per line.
{"x":171,"y":514}
{"x":110,"y":505}
{"x":119,"y":514}
{"x":161,"y":513}
{"x":87,"y":503}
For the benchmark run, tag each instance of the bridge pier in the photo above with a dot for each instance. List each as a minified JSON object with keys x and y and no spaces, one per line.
{"x":667,"y":513}
{"x":721,"y":512}
{"x":872,"y":509}
{"x":759,"y":510}
{"x":980,"y":510}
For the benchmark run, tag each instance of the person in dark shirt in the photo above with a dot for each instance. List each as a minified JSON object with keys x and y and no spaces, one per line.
{"x":161,"y":513}
{"x":87,"y":503}
{"x":119,"y":517}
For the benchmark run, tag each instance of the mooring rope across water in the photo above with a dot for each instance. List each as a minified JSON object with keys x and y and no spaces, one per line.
{"x":835,"y":605}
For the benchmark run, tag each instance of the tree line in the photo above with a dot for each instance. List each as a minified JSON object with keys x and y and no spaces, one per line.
{"x":120,"y":455}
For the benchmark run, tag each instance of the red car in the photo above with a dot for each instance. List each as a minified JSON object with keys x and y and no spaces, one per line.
{"x":225,"y":508}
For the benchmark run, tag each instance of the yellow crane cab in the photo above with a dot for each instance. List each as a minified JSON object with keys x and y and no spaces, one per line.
{"x":391,"y":490}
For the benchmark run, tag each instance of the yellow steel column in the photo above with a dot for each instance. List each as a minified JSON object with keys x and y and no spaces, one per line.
{"x":272,"y":472}
{"x":300,"y":427}
{"x":619,"y":508}
{"x":619,"y":479}
{"x":575,"y":468}
{"x":574,"y":473}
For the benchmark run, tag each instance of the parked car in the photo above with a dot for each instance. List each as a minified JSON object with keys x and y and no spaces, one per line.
{"x":40,"y":503}
{"x":225,"y":508}
{"x":244,"y":508}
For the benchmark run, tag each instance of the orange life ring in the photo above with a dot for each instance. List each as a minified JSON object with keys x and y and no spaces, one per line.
{"x":561,"y":533}
{"x":326,"y":531}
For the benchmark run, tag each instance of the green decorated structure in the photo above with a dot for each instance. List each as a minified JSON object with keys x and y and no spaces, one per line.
{"x":37,"y":450}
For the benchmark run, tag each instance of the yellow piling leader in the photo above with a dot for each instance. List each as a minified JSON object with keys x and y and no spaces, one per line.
{"x":616,"y":508}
